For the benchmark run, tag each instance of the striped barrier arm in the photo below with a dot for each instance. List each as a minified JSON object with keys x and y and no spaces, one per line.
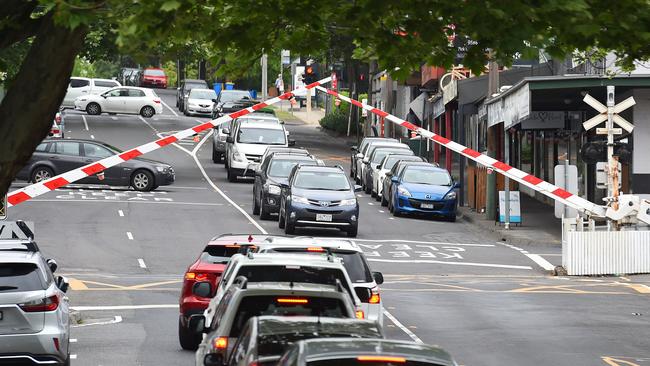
{"x":584,"y":206}
{"x":37,"y":189}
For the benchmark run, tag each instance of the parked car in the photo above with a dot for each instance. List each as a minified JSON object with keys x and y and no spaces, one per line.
{"x":319,"y":196}
{"x":367,"y":150}
{"x":273,"y":173}
{"x":125,"y":99}
{"x":356,"y":154}
{"x":247,"y":142}
{"x":58,"y":126}
{"x":386,"y":164}
{"x":54,"y":157}
{"x":209,"y":266}
{"x":427,"y":190}
{"x":244,"y":300}
{"x":183,"y":91}
{"x":386,"y":191}
{"x":199,"y":101}
{"x":265,"y":338}
{"x":86,"y":86}
{"x":230,"y":101}
{"x":375,"y":157}
{"x":34,"y":313}
{"x":364,"y":352}
{"x":153,"y":77}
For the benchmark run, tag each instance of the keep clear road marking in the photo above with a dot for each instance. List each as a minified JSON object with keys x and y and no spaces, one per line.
{"x":129,"y":235}
{"x":85,"y":122}
{"x":141,"y":263}
{"x":165,"y":104}
{"x":546,"y":265}
{"x":92,"y":137}
{"x":120,"y":212}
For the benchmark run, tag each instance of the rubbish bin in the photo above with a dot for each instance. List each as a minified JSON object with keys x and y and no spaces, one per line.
{"x":418,"y":145}
{"x":217,"y":88}
{"x":253,"y":93}
{"x":230,"y":86}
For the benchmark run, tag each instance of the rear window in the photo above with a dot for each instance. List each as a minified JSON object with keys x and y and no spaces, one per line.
{"x":18,"y":277}
{"x":282,"y":168}
{"x":154,"y":72}
{"x":277,"y":344}
{"x":251,"y":306}
{"x":282,"y":273}
{"x":79,"y":83}
{"x":353,"y":262}
{"x":219,"y":253}
{"x":355,"y":362}
{"x":105,"y":84}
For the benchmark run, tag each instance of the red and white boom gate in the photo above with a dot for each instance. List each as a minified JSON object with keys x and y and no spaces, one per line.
{"x":633,"y":207}
{"x":37,"y":189}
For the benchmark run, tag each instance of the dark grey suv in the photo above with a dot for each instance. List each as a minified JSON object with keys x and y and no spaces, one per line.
{"x":319,"y":196}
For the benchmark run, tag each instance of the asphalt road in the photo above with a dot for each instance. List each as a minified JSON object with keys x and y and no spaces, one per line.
{"x":448,"y":284}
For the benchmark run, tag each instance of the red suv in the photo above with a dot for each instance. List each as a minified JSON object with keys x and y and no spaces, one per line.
{"x":208,"y":267}
{"x":154,"y":77}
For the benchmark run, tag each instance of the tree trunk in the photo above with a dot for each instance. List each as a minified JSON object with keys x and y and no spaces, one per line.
{"x":27,"y":111}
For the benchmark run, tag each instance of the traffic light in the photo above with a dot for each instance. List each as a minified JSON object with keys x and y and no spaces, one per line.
{"x":596,"y":151}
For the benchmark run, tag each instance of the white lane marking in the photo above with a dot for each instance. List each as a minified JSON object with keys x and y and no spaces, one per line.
{"x":541,"y":261}
{"x":85,"y":122}
{"x":391,"y":218}
{"x":130,"y":202}
{"x":359,"y":195}
{"x":381,"y":211}
{"x":124,"y":307}
{"x":129,"y":235}
{"x":402,"y":327}
{"x":471,"y":264}
{"x":165,"y":104}
{"x":73,"y":340}
{"x":115,"y":320}
{"x":92,"y":137}
{"x":141,"y":263}
{"x":114,"y":118}
{"x":371,"y":204}
{"x":150,"y":126}
{"x":550,"y":254}
{"x":73,"y":356}
{"x":420,"y":242}
{"x":120,"y":212}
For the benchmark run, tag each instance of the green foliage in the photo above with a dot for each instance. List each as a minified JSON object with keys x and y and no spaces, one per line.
{"x":335,"y":121}
{"x":98,"y":69}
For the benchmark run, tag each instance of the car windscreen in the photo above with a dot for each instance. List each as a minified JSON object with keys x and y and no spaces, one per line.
{"x":234,"y":96}
{"x":19,"y":277}
{"x":353,"y":262}
{"x":154,"y":72}
{"x":190,"y":86}
{"x":326,"y":181}
{"x":262,"y":136}
{"x":426,"y":176}
{"x":282,"y":168}
{"x":203,"y":94}
{"x":392,"y":160}
{"x":277,"y":344}
{"x":381,"y":153}
{"x":251,"y":306}
{"x":354,"y":361}
{"x":219,"y":253}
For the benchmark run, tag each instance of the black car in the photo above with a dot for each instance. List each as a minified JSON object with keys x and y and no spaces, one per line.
{"x":229,"y":101}
{"x":265,"y":338}
{"x":353,"y":352}
{"x":184,"y":90}
{"x":274,"y":172}
{"x":53,"y":157}
{"x":319,"y":196}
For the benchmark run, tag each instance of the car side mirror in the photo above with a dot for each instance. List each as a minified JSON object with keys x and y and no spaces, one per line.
{"x":197,"y":323}
{"x":225,"y":131}
{"x":202,"y":289}
{"x":389,"y":174}
{"x":359,"y":155}
{"x":292,"y":142}
{"x":105,"y":96}
{"x":394,"y":179}
{"x":365,"y":161}
{"x":363,"y":293}
{"x":52,"y":264}
{"x":62,"y":284}
{"x":379,"y":277}
{"x":230,"y":140}
{"x":214,"y":100}
{"x":456,"y":185}
{"x":353,"y":148}
{"x":378,"y":166}
{"x":282,"y":122}
{"x":357,"y":188}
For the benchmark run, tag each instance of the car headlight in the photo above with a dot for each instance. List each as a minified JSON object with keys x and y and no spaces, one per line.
{"x":238,"y":156}
{"x":299,"y":199}
{"x":451,"y":195}
{"x":403,"y":192}
{"x":349,"y":202}
{"x":161,"y":168}
{"x":273,"y":189}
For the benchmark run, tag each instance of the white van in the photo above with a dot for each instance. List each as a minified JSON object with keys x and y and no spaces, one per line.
{"x":247,"y":142}
{"x":83,"y":86}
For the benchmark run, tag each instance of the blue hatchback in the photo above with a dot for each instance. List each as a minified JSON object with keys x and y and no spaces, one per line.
{"x":423,"y":189}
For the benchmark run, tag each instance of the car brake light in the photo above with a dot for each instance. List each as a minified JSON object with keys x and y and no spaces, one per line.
{"x":315,"y":249}
{"x":359,"y":314}
{"x":283,"y":300}
{"x":221,"y":343}
{"x":233,"y":246}
{"x":196,"y":276}
{"x":156,"y":101}
{"x":381,"y":359}
{"x":375,"y":298}
{"x":47,"y":304}
{"x":56,"y":344}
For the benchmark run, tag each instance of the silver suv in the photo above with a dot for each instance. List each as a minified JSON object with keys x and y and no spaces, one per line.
{"x":34,"y":315}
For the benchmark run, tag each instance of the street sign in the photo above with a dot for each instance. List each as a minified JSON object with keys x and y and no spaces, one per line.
{"x":3,"y":208}
{"x":604,"y":111}
{"x":286,"y":57}
{"x":515,"y":207}
{"x":17,"y":230}
{"x":604,"y":131}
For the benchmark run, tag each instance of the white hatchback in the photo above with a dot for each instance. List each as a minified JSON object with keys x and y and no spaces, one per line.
{"x":123,"y":99}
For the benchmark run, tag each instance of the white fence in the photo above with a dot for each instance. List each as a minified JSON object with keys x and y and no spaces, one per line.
{"x":606,"y":252}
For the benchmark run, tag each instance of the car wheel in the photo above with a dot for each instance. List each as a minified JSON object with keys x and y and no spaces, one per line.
{"x":216,"y":157}
{"x":41,"y":173}
{"x":147,"y":111}
{"x":367,"y":189}
{"x":142,"y":180}
{"x":232,"y":177}
{"x":264,"y":214}
{"x":289,"y":228}
{"x":372,"y":193}
{"x":281,"y":218}
{"x":185,"y":113}
{"x":256,"y":206}
{"x":384,"y":202}
{"x":188,"y":339}
{"x":93,"y":109}
{"x":352,"y":231}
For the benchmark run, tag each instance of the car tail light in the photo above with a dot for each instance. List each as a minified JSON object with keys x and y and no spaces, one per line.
{"x":156,"y":101}
{"x":315,"y":249}
{"x":359,"y":314}
{"x":220,"y":343}
{"x":56,"y":344}
{"x":381,"y":359}
{"x":375,"y":298}
{"x":46,"y":304}
{"x":193,"y":276}
{"x":292,"y":300}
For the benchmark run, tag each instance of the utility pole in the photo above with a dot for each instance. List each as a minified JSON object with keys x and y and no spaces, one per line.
{"x":506,"y":147}
{"x":264,"y":77}
{"x":612,"y":163}
{"x":493,"y":87}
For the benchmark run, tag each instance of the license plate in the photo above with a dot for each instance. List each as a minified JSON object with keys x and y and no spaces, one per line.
{"x":323,"y":217}
{"x":427,"y":205}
